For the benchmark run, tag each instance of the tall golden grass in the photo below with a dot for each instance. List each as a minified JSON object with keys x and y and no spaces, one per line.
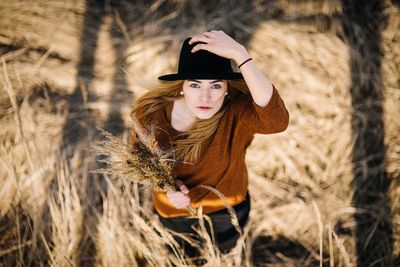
{"x":55,"y":211}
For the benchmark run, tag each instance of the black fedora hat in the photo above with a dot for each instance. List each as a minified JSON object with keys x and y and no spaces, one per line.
{"x":201,"y":65}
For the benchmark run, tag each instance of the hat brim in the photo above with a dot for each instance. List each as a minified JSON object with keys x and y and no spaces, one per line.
{"x":182,"y":76}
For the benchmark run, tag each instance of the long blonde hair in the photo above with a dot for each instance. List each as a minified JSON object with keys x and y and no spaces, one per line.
{"x":188,"y":146}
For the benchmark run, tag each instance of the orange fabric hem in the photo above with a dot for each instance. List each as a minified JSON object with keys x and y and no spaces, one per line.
{"x":166,"y":210}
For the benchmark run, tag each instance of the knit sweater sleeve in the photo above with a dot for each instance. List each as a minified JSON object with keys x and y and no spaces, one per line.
{"x":272,"y":118}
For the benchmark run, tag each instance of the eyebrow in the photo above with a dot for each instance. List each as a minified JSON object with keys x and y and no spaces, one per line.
{"x":197,"y":81}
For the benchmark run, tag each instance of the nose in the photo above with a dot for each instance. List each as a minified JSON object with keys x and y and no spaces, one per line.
{"x":205,"y":95}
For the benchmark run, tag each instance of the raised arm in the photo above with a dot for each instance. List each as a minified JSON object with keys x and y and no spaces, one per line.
{"x":221,"y":44}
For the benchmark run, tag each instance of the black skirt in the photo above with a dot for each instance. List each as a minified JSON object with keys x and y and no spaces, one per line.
{"x":225,"y":233}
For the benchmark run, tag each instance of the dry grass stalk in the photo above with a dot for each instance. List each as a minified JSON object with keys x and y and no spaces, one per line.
{"x":67,"y":216}
{"x":321,"y":232}
{"x":9,"y":89}
{"x":138,"y":233}
{"x":232,"y":213}
{"x":342,"y":249}
{"x":212,"y":254}
{"x":143,"y":162}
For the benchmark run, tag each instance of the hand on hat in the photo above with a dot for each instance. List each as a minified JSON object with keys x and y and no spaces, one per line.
{"x":221,"y":44}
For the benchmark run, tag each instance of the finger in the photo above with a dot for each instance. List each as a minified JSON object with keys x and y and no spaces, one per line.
{"x":199,"y":47}
{"x":179,"y":200}
{"x":176,"y":197}
{"x":209,"y":34}
{"x":199,"y":38}
{"x":182,"y":203}
{"x":173,"y":196}
{"x":182,"y":187}
{"x":182,"y":206}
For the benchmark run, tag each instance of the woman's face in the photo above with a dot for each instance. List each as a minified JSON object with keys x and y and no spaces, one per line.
{"x":204,"y":98}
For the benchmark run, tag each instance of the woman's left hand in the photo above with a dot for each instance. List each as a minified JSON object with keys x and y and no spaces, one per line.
{"x":221,"y":44}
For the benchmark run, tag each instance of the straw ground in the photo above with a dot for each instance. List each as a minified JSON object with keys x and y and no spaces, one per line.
{"x":61,"y":77}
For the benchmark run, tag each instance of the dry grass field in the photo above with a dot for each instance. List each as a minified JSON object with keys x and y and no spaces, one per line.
{"x":324,"y":193}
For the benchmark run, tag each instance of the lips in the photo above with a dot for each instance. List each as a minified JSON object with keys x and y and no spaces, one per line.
{"x":204,"y":108}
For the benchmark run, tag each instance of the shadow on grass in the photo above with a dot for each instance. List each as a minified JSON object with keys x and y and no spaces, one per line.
{"x":363,"y":22}
{"x":81,"y":121}
{"x":280,"y":251}
{"x":79,"y":128}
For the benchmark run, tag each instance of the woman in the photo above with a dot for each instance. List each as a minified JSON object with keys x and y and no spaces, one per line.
{"x":208,"y":114}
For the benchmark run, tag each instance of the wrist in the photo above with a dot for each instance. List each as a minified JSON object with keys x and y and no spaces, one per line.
{"x":241,"y":56}
{"x":244,"y":62}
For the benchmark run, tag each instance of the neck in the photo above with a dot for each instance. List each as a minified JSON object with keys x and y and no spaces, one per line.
{"x":181,"y":117}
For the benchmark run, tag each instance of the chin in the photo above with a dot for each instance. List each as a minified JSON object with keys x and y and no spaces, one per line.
{"x":204,"y":116}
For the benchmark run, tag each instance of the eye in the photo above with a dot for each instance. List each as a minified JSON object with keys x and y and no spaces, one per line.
{"x":216,"y":86}
{"x":194,"y":85}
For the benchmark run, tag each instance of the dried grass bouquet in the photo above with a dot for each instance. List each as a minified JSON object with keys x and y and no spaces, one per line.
{"x":143,"y":161}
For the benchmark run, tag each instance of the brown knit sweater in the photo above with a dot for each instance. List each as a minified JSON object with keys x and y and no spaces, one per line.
{"x":222,"y":160}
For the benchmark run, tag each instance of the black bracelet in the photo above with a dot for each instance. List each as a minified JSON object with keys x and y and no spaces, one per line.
{"x":247,"y":60}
